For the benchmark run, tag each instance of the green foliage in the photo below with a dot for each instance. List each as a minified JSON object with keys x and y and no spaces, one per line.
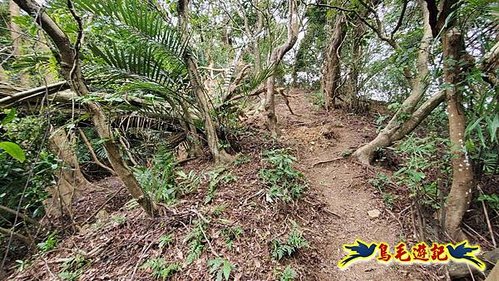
{"x":216,"y":177}
{"x":317,"y":99}
{"x":483,"y":141}
{"x":312,"y":44}
{"x":49,"y":244}
{"x":165,"y":240}
{"x":97,"y":144}
{"x":159,"y":179}
{"x":73,"y":268}
{"x":36,"y":172}
{"x":220,"y":268}
{"x":295,"y":241}
{"x":380,"y":122}
{"x":118,"y":219}
{"x":424,"y":158}
{"x":196,"y":242}
{"x":242,"y":159}
{"x":163,"y":180}
{"x":231,"y":234}
{"x":22,"y":265}
{"x":283,"y":181}
{"x":388,"y":199}
{"x":288,"y":274}
{"x":187,"y":182}
{"x":490,"y":199}
{"x":218,"y":210}
{"x":160,"y":269}
{"x":133,"y":48}
{"x":381,"y":182}
{"x":13,"y":150}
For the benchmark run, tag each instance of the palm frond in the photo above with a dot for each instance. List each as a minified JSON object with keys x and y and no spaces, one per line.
{"x":139,"y":63}
{"x":142,"y":20}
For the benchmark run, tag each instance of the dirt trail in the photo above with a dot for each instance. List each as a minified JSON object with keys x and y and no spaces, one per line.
{"x":342,"y":184}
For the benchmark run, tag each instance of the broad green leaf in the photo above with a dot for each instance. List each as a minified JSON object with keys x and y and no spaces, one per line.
{"x":473,"y":126}
{"x":11,"y":114}
{"x":227,"y":268}
{"x":13,"y":150}
{"x":493,"y":126}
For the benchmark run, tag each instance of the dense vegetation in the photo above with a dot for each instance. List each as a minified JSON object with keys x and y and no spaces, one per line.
{"x":137,"y":90}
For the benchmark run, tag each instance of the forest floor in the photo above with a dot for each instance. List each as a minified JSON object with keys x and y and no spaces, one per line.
{"x":112,"y":238}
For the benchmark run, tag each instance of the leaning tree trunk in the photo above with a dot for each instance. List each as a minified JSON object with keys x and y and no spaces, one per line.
{"x":331,"y":70}
{"x":218,"y":153}
{"x":462,"y":174}
{"x":392,"y":132}
{"x":71,"y":70}
{"x":275,"y":60}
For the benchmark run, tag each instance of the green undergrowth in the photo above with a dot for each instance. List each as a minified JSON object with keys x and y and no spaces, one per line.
{"x":282,"y":180}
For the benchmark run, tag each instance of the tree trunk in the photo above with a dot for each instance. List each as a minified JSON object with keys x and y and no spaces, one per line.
{"x":195,"y":147}
{"x":365,"y":154}
{"x":218,"y":153}
{"x":15,"y":30}
{"x":331,"y":71}
{"x":462,"y":174}
{"x":419,"y":83}
{"x":275,"y":60}
{"x":15,"y":35}
{"x":70,"y":178}
{"x":71,"y":71}
{"x":354,"y":67}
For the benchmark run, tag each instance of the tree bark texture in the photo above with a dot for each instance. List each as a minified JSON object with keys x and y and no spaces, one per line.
{"x":462,"y":173}
{"x":15,"y":30}
{"x":15,"y":35}
{"x":331,"y":71}
{"x":70,"y":180}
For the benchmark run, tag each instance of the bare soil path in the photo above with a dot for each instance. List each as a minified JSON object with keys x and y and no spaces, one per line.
{"x":343,"y":186}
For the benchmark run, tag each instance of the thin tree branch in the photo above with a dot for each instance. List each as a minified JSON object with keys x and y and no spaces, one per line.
{"x":32,"y":93}
{"x":79,"y":38}
{"x":19,"y":214}
{"x":400,"y":20}
{"x":378,"y":30}
{"x":92,"y":152}
{"x":26,"y":240}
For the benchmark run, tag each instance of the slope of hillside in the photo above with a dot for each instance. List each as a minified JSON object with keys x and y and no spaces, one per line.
{"x":239,"y":228}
